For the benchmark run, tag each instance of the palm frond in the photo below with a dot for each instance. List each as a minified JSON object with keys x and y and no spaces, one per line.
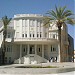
{"x":60,"y":15}
{"x":67,"y":13}
{"x":71,"y":21}
{"x":58,"y":12}
{"x":63,"y":9}
{"x":6,"y":21}
{"x":47,"y":21}
{"x":53,"y":13}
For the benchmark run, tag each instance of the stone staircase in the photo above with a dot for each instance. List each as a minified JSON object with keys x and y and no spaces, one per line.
{"x":31,"y":59}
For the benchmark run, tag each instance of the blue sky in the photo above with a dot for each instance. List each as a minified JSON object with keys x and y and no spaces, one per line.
{"x":11,"y":7}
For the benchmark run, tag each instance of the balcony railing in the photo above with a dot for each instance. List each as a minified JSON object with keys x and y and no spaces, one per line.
{"x":34,"y":39}
{"x":8,"y":39}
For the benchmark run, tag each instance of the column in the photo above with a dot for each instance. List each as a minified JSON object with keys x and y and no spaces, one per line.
{"x":20,"y":30}
{"x":42,"y":31}
{"x":20,"y":53}
{"x":39,"y":28}
{"x":28,"y":29}
{"x":35,"y":49}
{"x":48,"y":32}
{"x":35,"y":28}
{"x":43,"y":51}
{"x":24,"y":27}
{"x":28,"y":50}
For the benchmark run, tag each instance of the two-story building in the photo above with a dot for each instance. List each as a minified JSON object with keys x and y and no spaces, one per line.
{"x":29,"y":42}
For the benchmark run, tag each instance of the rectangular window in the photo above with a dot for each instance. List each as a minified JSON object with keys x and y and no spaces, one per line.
{"x":9,"y":59}
{"x":24,"y":49}
{"x":40,"y":35}
{"x":8,"y":35}
{"x":51,"y":48}
{"x":9,"y":48}
{"x":5,"y":59}
{"x":25,"y":35}
{"x":22,"y":35}
{"x":30,"y":35}
{"x":37,"y":35}
{"x":39,"y":49}
{"x":54,"y":36}
{"x":33,"y":35}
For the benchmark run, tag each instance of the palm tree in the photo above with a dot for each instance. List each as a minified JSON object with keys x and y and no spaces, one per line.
{"x":60,"y":16}
{"x":6,"y":22}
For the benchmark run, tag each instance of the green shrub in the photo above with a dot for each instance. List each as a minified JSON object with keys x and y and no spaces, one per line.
{"x":35,"y":67}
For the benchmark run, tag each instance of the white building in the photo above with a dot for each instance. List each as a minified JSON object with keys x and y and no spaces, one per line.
{"x":29,"y":42}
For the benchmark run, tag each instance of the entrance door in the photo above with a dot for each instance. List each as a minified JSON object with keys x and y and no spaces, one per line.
{"x":32,"y":50}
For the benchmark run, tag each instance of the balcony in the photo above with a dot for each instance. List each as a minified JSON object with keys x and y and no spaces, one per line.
{"x":8,"y":39}
{"x":43,"y":40}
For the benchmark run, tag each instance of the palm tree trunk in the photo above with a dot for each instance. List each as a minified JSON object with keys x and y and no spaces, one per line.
{"x":4,"y":46}
{"x":6,"y":22}
{"x":59,"y":36}
{"x":3,"y":52}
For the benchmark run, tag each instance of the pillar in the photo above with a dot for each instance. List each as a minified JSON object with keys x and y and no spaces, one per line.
{"x":39,"y":29}
{"x":20,"y":30}
{"x":35,"y":28}
{"x":43,"y":51}
{"x":42,"y":30}
{"x":28,"y":50}
{"x":20,"y":53}
{"x":28,"y":33}
{"x":35,"y":49}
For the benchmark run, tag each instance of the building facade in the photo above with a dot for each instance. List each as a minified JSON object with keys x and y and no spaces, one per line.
{"x":71,"y":48}
{"x":29,"y":42}
{"x":74,"y":55}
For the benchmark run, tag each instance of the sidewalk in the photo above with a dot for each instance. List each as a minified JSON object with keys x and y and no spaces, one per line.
{"x":62,"y":67}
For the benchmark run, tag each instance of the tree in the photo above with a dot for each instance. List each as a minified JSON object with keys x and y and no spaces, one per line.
{"x":60,"y":16}
{"x":6,"y":22}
